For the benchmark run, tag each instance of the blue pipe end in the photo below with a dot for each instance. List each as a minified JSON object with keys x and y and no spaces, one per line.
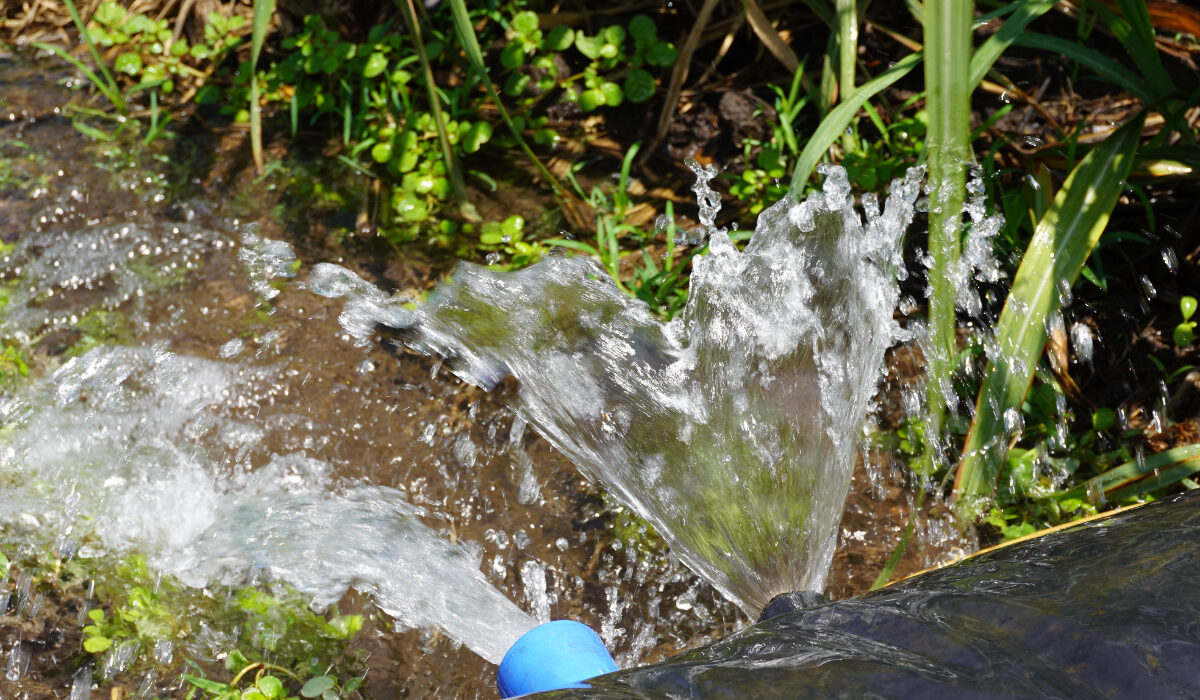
{"x":552,"y":656}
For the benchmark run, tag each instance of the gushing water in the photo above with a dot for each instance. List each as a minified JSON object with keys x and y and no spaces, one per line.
{"x":731,"y":429}
{"x":135,"y":450}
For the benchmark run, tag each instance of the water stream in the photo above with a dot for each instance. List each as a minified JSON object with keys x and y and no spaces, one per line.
{"x":733,"y":429}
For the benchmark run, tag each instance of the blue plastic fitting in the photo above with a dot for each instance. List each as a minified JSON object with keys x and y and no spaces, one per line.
{"x":552,"y":656}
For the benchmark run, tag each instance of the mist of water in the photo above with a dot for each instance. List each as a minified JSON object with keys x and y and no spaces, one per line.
{"x":731,"y":429}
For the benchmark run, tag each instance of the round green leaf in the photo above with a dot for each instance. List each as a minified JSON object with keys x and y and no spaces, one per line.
{"x":661,"y":54}
{"x":516,"y":84}
{"x":588,"y":45}
{"x":271,"y":687}
{"x":525,"y":23}
{"x":110,"y":14}
{"x":613,"y":97}
{"x":410,"y":209}
{"x":643,"y":31}
{"x":513,"y":55}
{"x":381,"y":152}
{"x":95,"y":645}
{"x":614,"y":34}
{"x":316,"y":685}
{"x":1183,"y":335}
{"x":1187,"y":307}
{"x":477,"y":135}
{"x":591,"y":99}
{"x":128,"y":63}
{"x":408,"y":161}
{"x":559,"y":38}
{"x":610,"y":50}
{"x":639,"y":85}
{"x":376,"y":64}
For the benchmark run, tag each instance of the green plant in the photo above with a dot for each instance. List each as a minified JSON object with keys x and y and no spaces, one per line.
{"x":613,"y":51}
{"x":146,"y":59}
{"x":759,"y":182}
{"x":1185,"y":330}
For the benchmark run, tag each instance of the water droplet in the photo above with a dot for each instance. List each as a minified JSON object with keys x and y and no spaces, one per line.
{"x":1169,"y":259}
{"x":1148,"y":290}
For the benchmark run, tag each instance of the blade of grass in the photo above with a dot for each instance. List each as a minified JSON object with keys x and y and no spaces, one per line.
{"x":1062,"y":242}
{"x":769,"y":37}
{"x":987,"y":53}
{"x":114,"y":97}
{"x":834,"y":124}
{"x":847,"y":38}
{"x":1106,"y":67}
{"x":470,"y":45}
{"x":1136,"y":33}
{"x":847,"y":58}
{"x":109,"y":87}
{"x":263,"y":9}
{"x":1127,"y":479}
{"x":947,"y":151}
{"x":435,"y":105}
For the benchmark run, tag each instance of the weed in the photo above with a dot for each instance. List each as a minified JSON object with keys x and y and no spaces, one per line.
{"x":1185,"y":330}
{"x":539,"y":61}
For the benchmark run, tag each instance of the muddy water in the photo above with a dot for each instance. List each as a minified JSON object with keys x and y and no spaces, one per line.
{"x":377,"y":414}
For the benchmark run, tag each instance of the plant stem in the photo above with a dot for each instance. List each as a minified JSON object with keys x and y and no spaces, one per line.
{"x":452,"y":169}
{"x":948,"y":102}
{"x":263,"y":9}
{"x":847,"y":39}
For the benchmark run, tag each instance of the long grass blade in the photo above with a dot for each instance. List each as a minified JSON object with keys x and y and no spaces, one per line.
{"x":679,"y":73}
{"x":470,"y":45}
{"x":947,"y":151}
{"x":1130,"y":479}
{"x":435,"y":107}
{"x":985,"y":56}
{"x":769,"y":37}
{"x":847,"y":38}
{"x":263,"y":9}
{"x":109,"y":94}
{"x":1106,"y":67}
{"x":1136,"y":33}
{"x":834,"y":124}
{"x":109,"y":87}
{"x":1062,"y":242}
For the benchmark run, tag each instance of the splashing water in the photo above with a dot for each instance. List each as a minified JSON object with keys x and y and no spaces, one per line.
{"x":105,"y":448}
{"x":731,"y":429}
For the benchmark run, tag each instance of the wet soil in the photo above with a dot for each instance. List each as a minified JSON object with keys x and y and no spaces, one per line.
{"x":379,"y":413}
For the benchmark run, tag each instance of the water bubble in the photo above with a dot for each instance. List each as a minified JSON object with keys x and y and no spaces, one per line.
{"x":81,"y":685}
{"x":1147,"y":287}
{"x":1170,"y":260}
{"x":1082,"y":341}
{"x":533,"y":577}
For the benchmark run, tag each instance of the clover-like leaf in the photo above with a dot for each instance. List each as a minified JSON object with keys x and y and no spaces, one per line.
{"x":639,"y":85}
{"x":376,"y":63}
{"x":558,"y":38}
{"x":643,"y":31}
{"x":589,"y":46}
{"x":661,"y":54}
{"x":525,"y":23}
